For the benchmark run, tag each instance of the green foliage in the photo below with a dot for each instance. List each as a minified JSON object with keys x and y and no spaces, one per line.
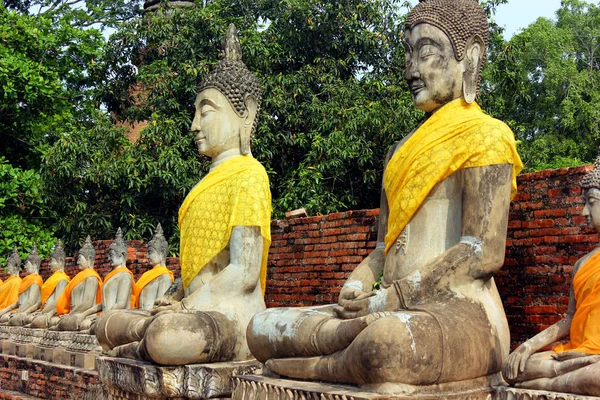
{"x":545,"y":83}
{"x":23,"y":215}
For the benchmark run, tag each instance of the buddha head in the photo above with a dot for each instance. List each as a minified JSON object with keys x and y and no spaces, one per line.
{"x":58,"y":257}
{"x":13,"y":262}
{"x":591,"y":193}
{"x":158,"y":248}
{"x":227,"y":104}
{"x":87,"y":255}
{"x":33,"y":261}
{"x":117,"y":251}
{"x":445,"y":43}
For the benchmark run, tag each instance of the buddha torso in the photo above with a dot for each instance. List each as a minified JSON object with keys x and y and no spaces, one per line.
{"x":80,"y":299}
{"x":154,"y":290}
{"x":50,"y":304}
{"x":29,"y":297}
{"x":117,"y":290}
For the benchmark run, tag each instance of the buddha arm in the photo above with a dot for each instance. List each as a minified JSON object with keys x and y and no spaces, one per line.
{"x":88,"y":303}
{"x":479,"y":253}
{"x":123,"y":294}
{"x":34,"y":297}
{"x":241,"y":275}
{"x":50,"y":306}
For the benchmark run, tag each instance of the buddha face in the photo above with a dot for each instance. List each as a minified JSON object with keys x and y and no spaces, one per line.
{"x":434,"y":75}
{"x":56,"y":265}
{"x":83,"y":262}
{"x":30,"y":268}
{"x":116,"y":259}
{"x":155,"y":257}
{"x":216,"y":124}
{"x":591,"y":210}
{"x":12,"y":268}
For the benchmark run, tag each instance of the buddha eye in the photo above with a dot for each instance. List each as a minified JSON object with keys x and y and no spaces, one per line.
{"x":426,"y":51}
{"x":206,"y":108}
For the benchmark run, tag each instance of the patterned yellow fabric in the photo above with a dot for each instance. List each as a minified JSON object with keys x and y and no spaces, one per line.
{"x":457,"y":136}
{"x":235,"y":193}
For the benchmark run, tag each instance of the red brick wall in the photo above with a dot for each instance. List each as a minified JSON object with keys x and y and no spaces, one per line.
{"x":48,"y":381}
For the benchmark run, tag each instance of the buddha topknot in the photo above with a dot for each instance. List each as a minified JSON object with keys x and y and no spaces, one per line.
{"x":592,"y":178}
{"x":460,"y":20}
{"x":59,"y":252}
{"x":14,"y":258}
{"x":88,"y":250}
{"x":119,"y":245}
{"x":232,"y":78}
{"x":158,"y":242}
{"x":33,"y":257}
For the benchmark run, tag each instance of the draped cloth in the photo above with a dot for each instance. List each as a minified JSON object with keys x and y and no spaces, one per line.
{"x":50,"y":285}
{"x":457,"y":136}
{"x":31,"y":279}
{"x":63,"y":304}
{"x":235,"y":193}
{"x":9,"y":291}
{"x":148,"y":277}
{"x":118,"y":270}
{"x":585,"y":326}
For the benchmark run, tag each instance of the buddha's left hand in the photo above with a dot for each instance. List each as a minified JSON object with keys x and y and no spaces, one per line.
{"x":355,"y":307}
{"x":568,"y":355}
{"x":173,"y":307}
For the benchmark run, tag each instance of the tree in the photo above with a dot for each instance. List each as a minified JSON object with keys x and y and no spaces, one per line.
{"x":545,"y":84}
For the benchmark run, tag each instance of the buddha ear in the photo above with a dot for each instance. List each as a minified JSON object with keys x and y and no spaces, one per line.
{"x":249,"y":117}
{"x":473,"y":59}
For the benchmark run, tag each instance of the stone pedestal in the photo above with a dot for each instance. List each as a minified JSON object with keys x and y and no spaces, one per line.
{"x":251,"y":387}
{"x":509,"y":393}
{"x":138,"y":380}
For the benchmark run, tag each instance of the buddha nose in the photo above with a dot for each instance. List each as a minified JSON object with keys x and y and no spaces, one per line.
{"x":411,"y":71}
{"x":585,"y":211}
{"x":196,"y":124}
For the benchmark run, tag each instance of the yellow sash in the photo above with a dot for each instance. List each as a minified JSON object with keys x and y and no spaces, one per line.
{"x":9,"y":291}
{"x":457,"y":136}
{"x":148,"y":277}
{"x":585,"y":327}
{"x":117,"y":271}
{"x":235,"y":193}
{"x":31,"y":279}
{"x":63,"y":304}
{"x":50,"y":285}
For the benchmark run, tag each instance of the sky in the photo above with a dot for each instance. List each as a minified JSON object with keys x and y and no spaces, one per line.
{"x":518,"y":14}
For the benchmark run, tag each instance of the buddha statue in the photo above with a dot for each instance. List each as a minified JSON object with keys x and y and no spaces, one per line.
{"x":9,"y":291}
{"x":116,"y":290}
{"x":80,"y":295}
{"x":437,"y":318}
{"x":154,"y":283}
{"x":225,"y":236}
{"x":571,"y":367}
{"x":52,"y":288}
{"x":29,"y":290}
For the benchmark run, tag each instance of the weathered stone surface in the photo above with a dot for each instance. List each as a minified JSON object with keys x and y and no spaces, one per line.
{"x":509,"y":393}
{"x":129,"y":379}
{"x":253,"y":387}
{"x":84,"y":343}
{"x":54,"y":339}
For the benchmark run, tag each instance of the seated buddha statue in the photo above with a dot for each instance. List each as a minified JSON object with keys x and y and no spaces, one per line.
{"x":225,"y":236}
{"x":52,"y":288}
{"x":437,"y":318}
{"x":571,"y":367}
{"x":116,"y":290}
{"x":9,"y":290}
{"x":81,"y":294}
{"x":154,"y":283}
{"x":29,"y":290}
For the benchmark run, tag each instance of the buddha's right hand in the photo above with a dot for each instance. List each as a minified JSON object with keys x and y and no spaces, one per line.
{"x":515,"y":363}
{"x":163,"y":301}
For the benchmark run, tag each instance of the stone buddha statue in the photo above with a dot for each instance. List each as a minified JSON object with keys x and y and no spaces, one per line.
{"x":9,"y":290}
{"x":30,"y":289}
{"x":437,"y":319}
{"x":153,"y":284}
{"x":225,"y":236}
{"x":571,"y":367}
{"x":52,"y":288}
{"x":80,"y":295}
{"x":116,"y":289}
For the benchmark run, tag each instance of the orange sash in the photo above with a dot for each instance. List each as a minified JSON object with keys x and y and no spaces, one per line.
{"x":50,"y":285}
{"x":148,"y":277}
{"x":63,"y":304}
{"x":585,"y":327}
{"x":9,"y":291}
{"x":117,"y":271}
{"x":31,"y":279}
